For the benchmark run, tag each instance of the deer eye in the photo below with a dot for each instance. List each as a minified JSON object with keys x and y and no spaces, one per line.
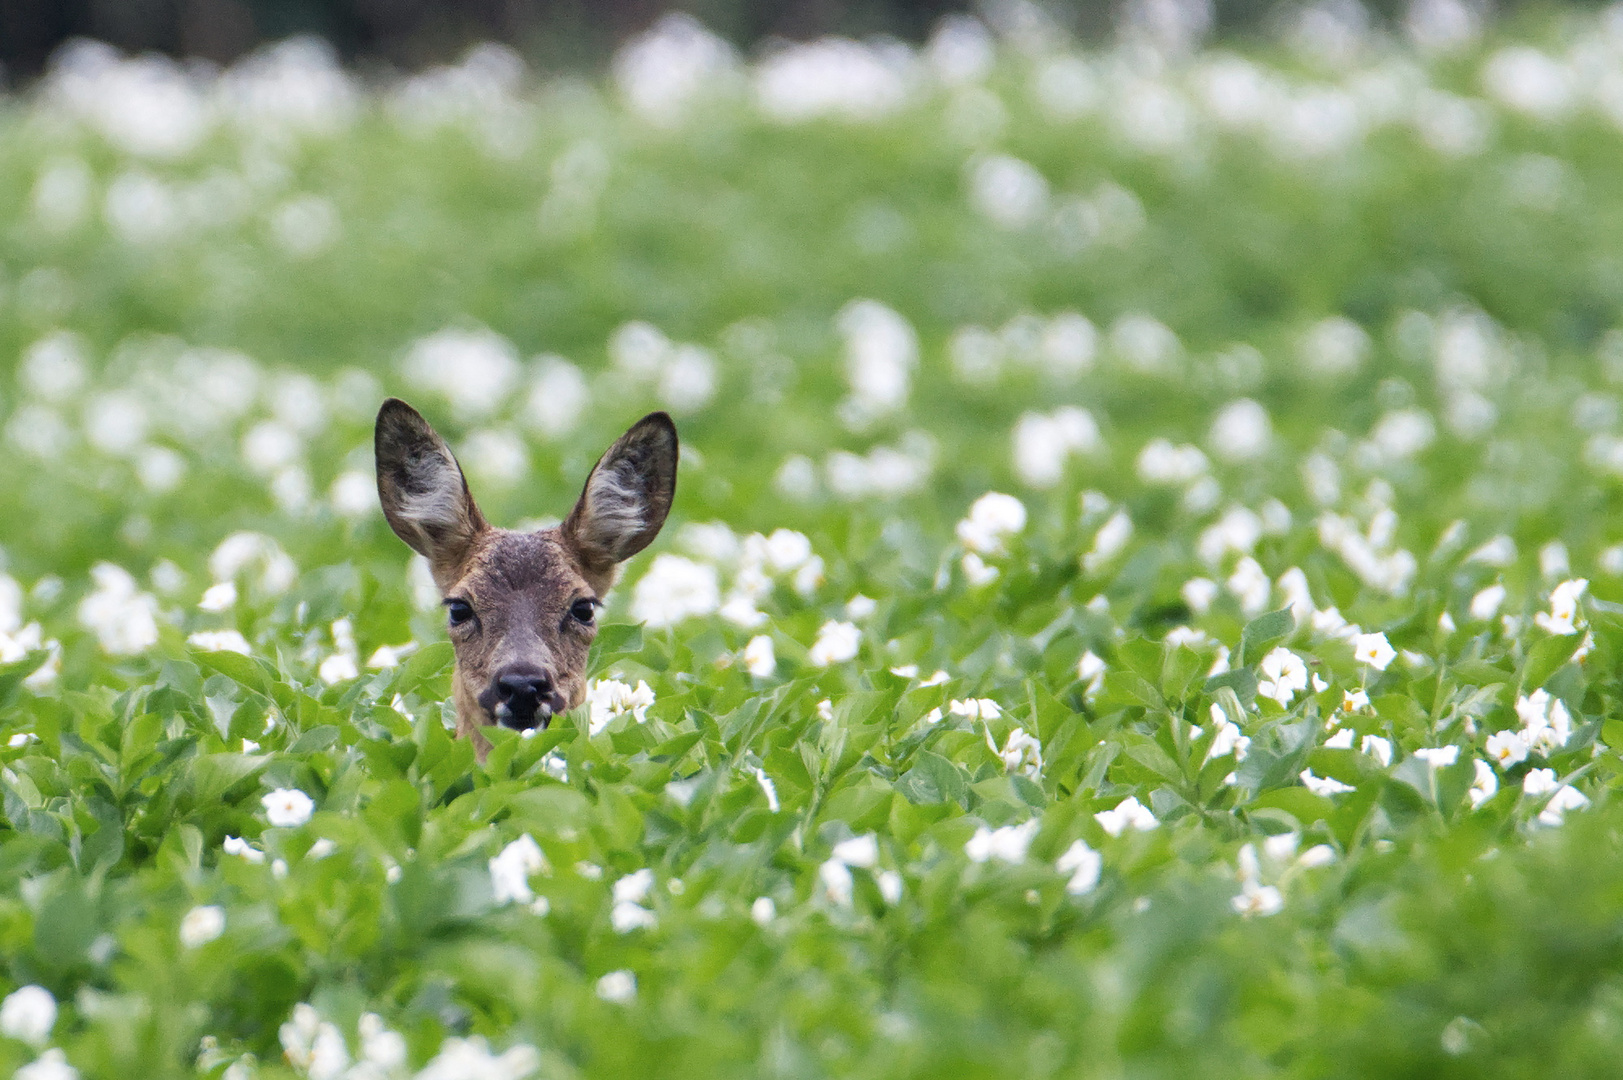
{"x":460,"y":611}
{"x":583,"y":611}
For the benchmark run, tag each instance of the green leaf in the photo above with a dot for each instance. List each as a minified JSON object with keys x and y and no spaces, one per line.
{"x":1547,"y":657}
{"x":1262,"y":632}
{"x":211,"y":775}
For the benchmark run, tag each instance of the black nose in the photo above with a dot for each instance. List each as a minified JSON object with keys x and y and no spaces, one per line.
{"x":521,"y":696}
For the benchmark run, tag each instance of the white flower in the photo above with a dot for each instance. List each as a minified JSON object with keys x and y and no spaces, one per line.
{"x":1226,"y":737}
{"x":1322,"y":785}
{"x":1129,"y":813}
{"x":1539,"y":782}
{"x":473,"y":369}
{"x":1341,"y":740}
{"x":858,"y":851}
{"x":1485,"y":604}
{"x":1354,"y":701}
{"x":1374,"y":650}
{"x":1044,"y":442}
{"x":763,"y":911}
{"x":1507,"y":748}
{"x":1108,"y":542}
{"x":1565,"y":798}
{"x":1009,"y":843}
{"x":1378,"y":748}
{"x":380,"y":1046}
{"x":219,"y":641}
{"x":287,"y":807}
{"x":627,"y":917}
{"x":617,"y":986}
{"x":337,"y":668}
{"x":1255,"y":898}
{"x":1485,"y":784}
{"x":976,"y":709}
{"x":1022,"y":753}
{"x":992,"y":518}
{"x":471,"y":1059}
{"x":1250,"y":586}
{"x":120,"y":614}
{"x":1546,"y":724}
{"x":976,"y":572}
{"x":51,"y":1065}
{"x":890,"y":886}
{"x":634,"y":888}
{"x":607,"y":699}
{"x":1563,"y":608}
{"x":760,"y":659}
{"x":674,"y":589}
{"x":235,"y":845}
{"x":218,"y":598}
{"x":881,"y":351}
{"x":1199,"y":593}
{"x":1091,"y":670}
{"x":202,"y":925}
{"x":1438,"y":757}
{"x":1241,"y":431}
{"x":1316,"y":856}
{"x":836,"y":642}
{"x":28,"y":1014}
{"x":511,"y":870}
{"x":1284,"y":674}
{"x":1083,"y":864}
{"x":835,"y":878}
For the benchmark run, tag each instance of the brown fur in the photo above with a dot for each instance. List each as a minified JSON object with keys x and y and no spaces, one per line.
{"x":521,"y":587}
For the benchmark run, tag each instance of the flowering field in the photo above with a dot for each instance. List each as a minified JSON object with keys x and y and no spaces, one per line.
{"x":1144,"y":595}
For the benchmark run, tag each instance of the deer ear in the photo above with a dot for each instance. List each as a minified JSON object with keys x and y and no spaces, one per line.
{"x":626,"y":497}
{"x":424,"y":494}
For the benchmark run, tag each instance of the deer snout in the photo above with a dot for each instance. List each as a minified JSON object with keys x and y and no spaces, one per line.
{"x":524,"y":698}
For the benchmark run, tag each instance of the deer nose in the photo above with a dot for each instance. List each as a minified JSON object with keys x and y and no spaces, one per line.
{"x":524,"y":697}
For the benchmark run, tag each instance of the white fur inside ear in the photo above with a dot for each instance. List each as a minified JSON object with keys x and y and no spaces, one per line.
{"x":434,"y":498}
{"x":616,"y":504}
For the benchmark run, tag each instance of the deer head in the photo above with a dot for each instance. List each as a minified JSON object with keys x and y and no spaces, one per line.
{"x":521,"y":606}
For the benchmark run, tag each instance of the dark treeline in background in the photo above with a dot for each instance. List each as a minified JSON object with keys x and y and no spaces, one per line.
{"x":552,"y":33}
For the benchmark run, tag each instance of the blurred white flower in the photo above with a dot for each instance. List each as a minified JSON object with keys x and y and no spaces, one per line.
{"x":54,"y":367}
{"x":1530,"y":82}
{"x":664,"y":70}
{"x":62,"y":194}
{"x":834,"y":77}
{"x":1334,"y":347}
{"x":354,"y":494}
{"x":760,"y":659}
{"x":1438,"y":757}
{"x":1546,"y":723}
{"x":1083,"y":864}
{"x":860,"y":851}
{"x":511,"y":870}
{"x":201,"y":925}
{"x":473,"y":369}
{"x":1009,"y":192}
{"x":219,"y":641}
{"x":1563,"y":611}
{"x":991,"y":518}
{"x":496,"y":456}
{"x":1484,"y":785}
{"x":1250,"y":586}
{"x":235,"y":845}
{"x":287,"y":807}
{"x":1378,"y":748}
{"x":28,"y":1014}
{"x":1485,"y":604}
{"x":120,"y":614}
{"x":834,"y":877}
{"x":1127,"y":814}
{"x":1008,"y":843}
{"x":305,"y":226}
{"x":763,"y":910}
{"x":674,"y":589}
{"x":1022,"y":753}
{"x":836,"y":643}
{"x":688,"y":380}
{"x":559,"y":398}
{"x":51,"y":1065}
{"x":1565,"y":798}
{"x":1160,"y":462}
{"x":147,"y":106}
{"x":1539,"y":782}
{"x":881,"y":351}
{"x":1323,"y":785}
{"x":1044,"y":442}
{"x":1241,"y":431}
{"x":467,"y":1059}
{"x":1257,"y":899}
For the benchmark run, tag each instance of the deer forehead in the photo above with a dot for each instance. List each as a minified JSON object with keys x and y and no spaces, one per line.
{"x":522,"y":570}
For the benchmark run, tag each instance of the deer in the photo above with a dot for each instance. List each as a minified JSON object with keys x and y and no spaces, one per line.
{"x":521,"y":607}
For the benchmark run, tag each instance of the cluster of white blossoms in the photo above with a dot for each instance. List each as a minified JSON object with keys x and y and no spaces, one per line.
{"x":316,"y":1048}
{"x":684,"y":376}
{"x":630,"y":894}
{"x":122,"y":616}
{"x":675,"y":588}
{"x":607,"y":699}
{"x":28,"y":1014}
{"x":17,"y":639}
{"x":992,"y":520}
